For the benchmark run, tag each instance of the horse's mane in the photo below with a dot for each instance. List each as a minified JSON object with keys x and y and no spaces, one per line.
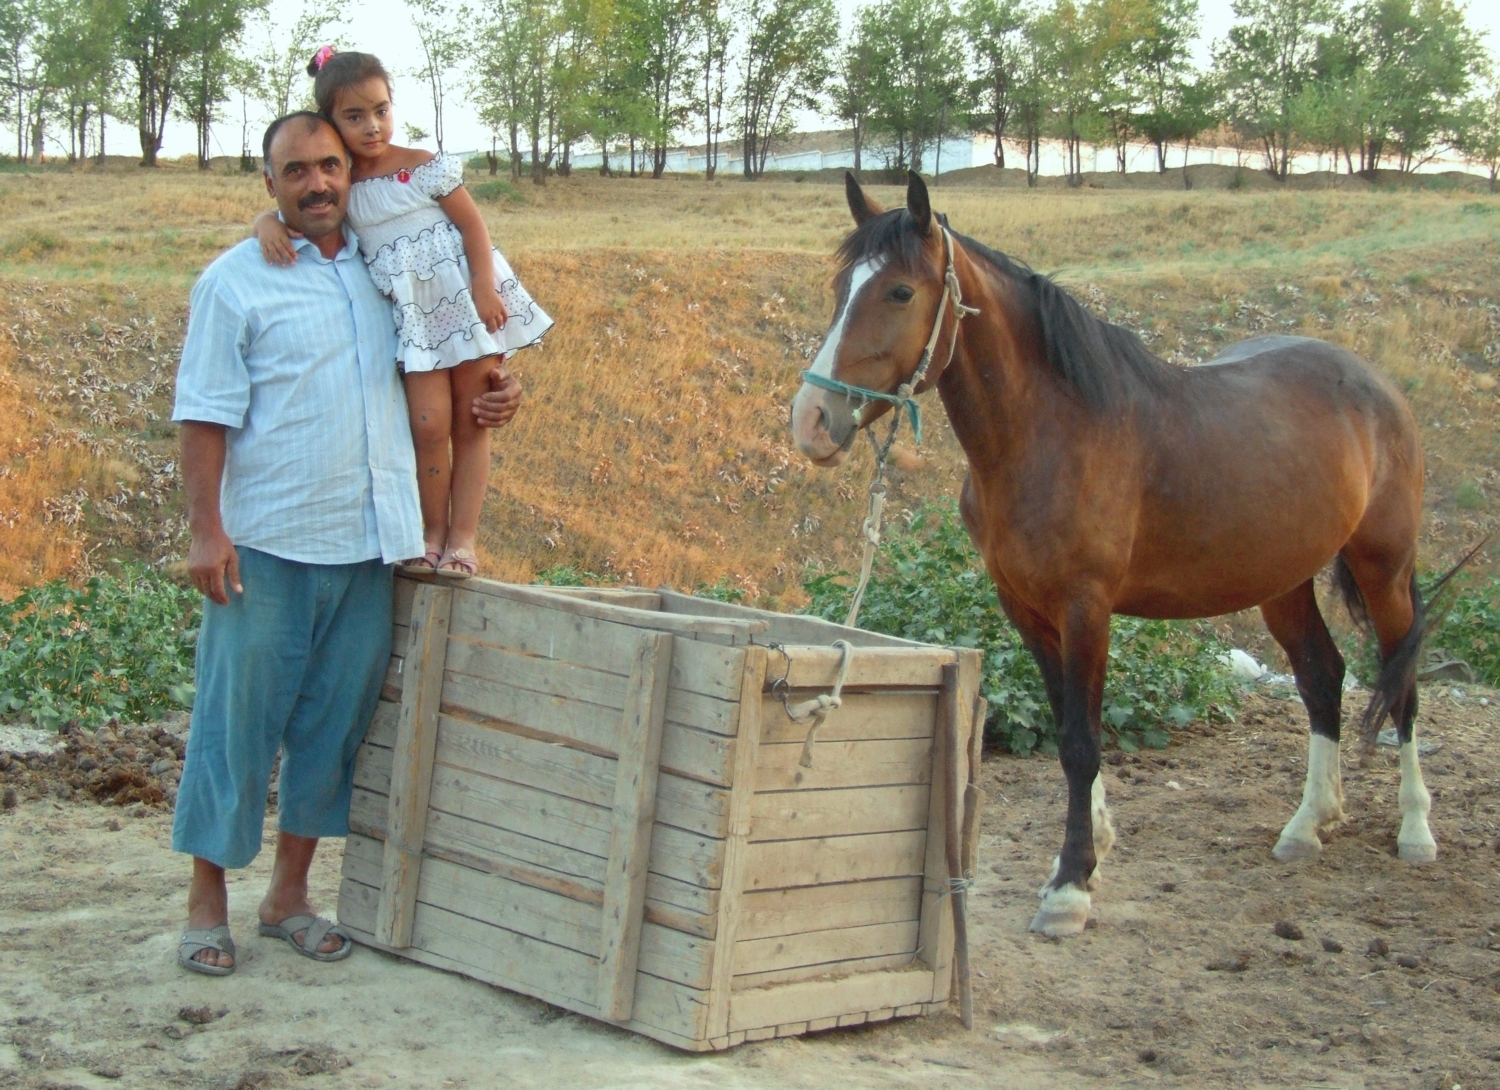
{"x":1106,"y":365}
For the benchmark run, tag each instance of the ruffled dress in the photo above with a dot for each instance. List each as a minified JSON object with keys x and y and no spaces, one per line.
{"x":416,"y":258}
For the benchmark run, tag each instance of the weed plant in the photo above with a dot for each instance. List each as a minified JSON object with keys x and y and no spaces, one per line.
{"x":119,"y":647}
{"x":1471,"y":630}
{"x":929,"y":586}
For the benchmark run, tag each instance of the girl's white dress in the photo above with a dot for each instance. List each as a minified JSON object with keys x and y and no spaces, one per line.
{"x":416,"y":257}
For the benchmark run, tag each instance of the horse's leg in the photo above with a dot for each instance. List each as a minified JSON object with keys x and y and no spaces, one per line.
{"x":1296,"y":623}
{"x":1042,"y":642}
{"x":1390,"y":599}
{"x":1085,"y":654}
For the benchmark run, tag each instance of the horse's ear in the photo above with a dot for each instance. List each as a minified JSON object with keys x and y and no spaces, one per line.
{"x":860,"y":206}
{"x":917,"y":203}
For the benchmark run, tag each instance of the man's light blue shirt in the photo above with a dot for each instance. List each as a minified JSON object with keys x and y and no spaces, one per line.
{"x":299,"y":363}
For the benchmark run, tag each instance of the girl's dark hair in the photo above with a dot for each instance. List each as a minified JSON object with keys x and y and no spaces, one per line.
{"x":343,"y":70}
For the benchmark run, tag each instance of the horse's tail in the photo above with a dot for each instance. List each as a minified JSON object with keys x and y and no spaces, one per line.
{"x":1399,"y":671}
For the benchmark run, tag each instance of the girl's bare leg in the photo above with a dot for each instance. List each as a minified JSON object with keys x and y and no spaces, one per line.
{"x":429,"y":401}
{"x":471,"y":452}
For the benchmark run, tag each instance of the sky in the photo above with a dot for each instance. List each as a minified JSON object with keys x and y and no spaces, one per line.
{"x":383,"y":28}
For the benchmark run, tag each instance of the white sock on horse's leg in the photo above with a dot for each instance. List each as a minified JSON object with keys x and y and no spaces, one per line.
{"x":1414,"y":843}
{"x":1104,"y":828}
{"x":1322,"y":803}
{"x":1064,"y":911}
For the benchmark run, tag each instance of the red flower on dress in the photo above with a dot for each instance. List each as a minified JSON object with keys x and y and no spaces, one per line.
{"x":403,"y":175}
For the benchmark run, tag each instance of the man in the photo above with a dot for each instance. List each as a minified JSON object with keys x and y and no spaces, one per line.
{"x":301,"y":487}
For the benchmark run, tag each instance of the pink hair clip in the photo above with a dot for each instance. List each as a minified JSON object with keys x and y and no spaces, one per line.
{"x":322,"y":55}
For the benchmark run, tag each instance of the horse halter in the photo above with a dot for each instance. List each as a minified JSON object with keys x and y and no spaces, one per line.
{"x":904,"y":397}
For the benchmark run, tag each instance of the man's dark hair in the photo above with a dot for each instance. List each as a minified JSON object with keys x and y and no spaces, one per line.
{"x":308,"y":117}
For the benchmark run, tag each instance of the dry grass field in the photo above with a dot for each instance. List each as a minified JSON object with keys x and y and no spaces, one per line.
{"x":653,"y":446}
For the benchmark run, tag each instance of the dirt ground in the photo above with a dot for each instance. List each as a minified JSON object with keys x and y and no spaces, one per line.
{"x":1182,"y":980}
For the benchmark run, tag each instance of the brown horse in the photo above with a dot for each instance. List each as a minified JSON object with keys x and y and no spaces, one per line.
{"x":1103,"y":480}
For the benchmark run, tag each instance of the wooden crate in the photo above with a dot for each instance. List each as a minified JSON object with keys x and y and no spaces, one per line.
{"x":595,"y":798}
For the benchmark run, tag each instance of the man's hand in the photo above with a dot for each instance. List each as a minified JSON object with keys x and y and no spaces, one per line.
{"x":495,"y":408}
{"x":212,"y":562}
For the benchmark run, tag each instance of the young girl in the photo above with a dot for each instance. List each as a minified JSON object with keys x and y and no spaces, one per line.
{"x":458,"y":304}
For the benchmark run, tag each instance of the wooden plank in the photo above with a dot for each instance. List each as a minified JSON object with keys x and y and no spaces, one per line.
{"x":828,"y":971}
{"x":405,"y":593}
{"x":690,"y":626}
{"x":768,"y":913}
{"x":803,"y":1002}
{"x":400,"y":634}
{"x":844,"y":764}
{"x":634,"y":597}
{"x":556,"y":678}
{"x":411,"y":772}
{"x":780,"y":627}
{"x":782,"y":863}
{"x":664,"y":1009}
{"x":737,"y":845}
{"x":706,"y":668}
{"x":799,"y":815}
{"x":863,"y":717}
{"x":825,"y":948}
{"x":955,"y":721}
{"x":913,"y":666}
{"x":686,"y":751}
{"x":631,"y":819}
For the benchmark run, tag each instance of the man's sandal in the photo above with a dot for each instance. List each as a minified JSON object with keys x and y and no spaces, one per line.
{"x":315,"y":929}
{"x":458,"y":564}
{"x":425,"y":564}
{"x":196,"y":941}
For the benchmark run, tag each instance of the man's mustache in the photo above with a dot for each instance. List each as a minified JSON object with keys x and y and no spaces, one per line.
{"x":314,"y":200}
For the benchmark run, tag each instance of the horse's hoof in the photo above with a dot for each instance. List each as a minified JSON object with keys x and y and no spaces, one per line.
{"x":1063,"y":912}
{"x":1295,"y":851}
{"x":1417,"y":852}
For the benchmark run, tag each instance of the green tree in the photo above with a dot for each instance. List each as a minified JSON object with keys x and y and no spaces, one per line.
{"x":853,"y":89}
{"x":1480,"y":134}
{"x":212,"y":31}
{"x":712,"y":78}
{"x":1066,"y":40}
{"x":278,"y":66}
{"x":1171,"y":108}
{"x":81,"y":67}
{"x":442,"y":36}
{"x":154,"y":41}
{"x":919,"y":93}
{"x":664,"y":38}
{"x":497,"y":76}
{"x":785,"y":65}
{"x":20,"y":25}
{"x":995,"y":31}
{"x":1263,"y":66}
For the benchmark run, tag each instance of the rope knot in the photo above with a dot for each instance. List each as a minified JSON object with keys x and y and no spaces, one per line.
{"x":818,"y":708}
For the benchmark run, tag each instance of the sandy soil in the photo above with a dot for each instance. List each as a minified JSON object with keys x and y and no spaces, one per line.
{"x":1182,"y":980}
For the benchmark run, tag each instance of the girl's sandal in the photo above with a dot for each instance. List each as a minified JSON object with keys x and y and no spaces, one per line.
{"x":458,"y":564}
{"x":425,"y":564}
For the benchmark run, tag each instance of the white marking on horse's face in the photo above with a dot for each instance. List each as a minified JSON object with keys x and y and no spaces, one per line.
{"x":1322,"y":802}
{"x":859,"y":276}
{"x":1414,"y":843}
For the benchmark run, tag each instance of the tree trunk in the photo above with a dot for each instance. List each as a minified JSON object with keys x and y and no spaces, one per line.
{"x":515,"y":152}
{"x":859,"y":139}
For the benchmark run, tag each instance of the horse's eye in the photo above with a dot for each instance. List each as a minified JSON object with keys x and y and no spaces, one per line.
{"x":901,"y":294}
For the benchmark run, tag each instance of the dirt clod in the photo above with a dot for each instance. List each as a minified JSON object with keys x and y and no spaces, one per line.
{"x":1333,"y":946}
{"x":1408,"y":961}
{"x":1146,"y":1055}
{"x":1168,"y":887}
{"x":8,"y":799}
{"x":1285,"y":929}
{"x":1377,"y":947}
{"x":201,"y":1016}
{"x":1236,"y":964}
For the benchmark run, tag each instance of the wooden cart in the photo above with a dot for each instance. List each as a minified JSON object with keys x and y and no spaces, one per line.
{"x":598,"y":798}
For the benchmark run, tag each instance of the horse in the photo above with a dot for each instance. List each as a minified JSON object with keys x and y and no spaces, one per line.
{"x":1104,"y":480}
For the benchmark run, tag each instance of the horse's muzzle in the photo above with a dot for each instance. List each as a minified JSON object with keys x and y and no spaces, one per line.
{"x":823,"y":425}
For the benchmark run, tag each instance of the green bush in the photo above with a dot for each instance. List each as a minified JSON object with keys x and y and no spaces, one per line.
{"x":1470,"y":629}
{"x":119,"y":647}
{"x":929,"y":586}
{"x":566,"y":575}
{"x":721,"y":590}
{"x":495,"y":189}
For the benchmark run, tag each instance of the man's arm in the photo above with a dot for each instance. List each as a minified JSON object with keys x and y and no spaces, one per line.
{"x":212,"y":560}
{"x":495,"y":408}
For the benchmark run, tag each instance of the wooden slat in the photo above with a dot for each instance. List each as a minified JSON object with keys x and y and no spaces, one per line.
{"x":799,"y":815}
{"x":827,"y":971}
{"x":411,"y":772}
{"x":955,"y":721}
{"x":665,"y":1010}
{"x":697,"y":754}
{"x":631,"y":819}
{"x":863,"y":717}
{"x":737,"y":845}
{"x":634,"y":597}
{"x":780,"y":627}
{"x":405,"y":591}
{"x":844,"y":764}
{"x":913,"y":666}
{"x":780,"y":1005}
{"x":698,"y":667}
{"x":690,"y":626}
{"x":766,"y":914}
{"x":678,"y":903}
{"x":783,"y":863}
{"x":826,"y":947}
